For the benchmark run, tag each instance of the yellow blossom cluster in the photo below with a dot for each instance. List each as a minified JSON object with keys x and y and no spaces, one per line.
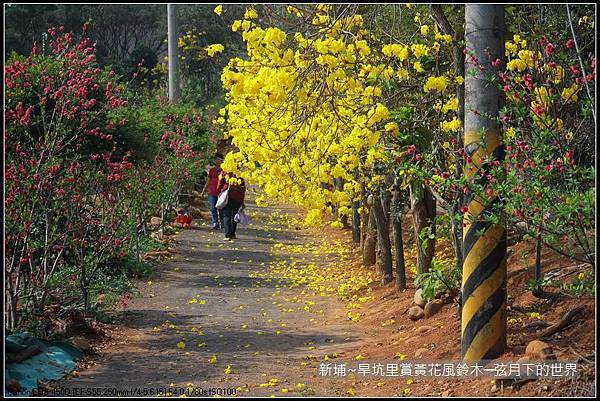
{"x":307,"y":112}
{"x":436,"y":84}
{"x":214,"y":49}
{"x":297,"y":133}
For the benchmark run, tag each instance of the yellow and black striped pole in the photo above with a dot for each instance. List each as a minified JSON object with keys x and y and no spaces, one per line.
{"x":483,"y":302}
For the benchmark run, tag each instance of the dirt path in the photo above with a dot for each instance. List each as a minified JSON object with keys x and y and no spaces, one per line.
{"x":257,"y":326}
{"x":275,"y":340}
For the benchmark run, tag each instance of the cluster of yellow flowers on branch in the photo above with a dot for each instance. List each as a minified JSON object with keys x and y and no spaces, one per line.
{"x":309,"y":112}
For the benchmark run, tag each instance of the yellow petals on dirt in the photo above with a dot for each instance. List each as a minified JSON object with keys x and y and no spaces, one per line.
{"x":271,"y":383}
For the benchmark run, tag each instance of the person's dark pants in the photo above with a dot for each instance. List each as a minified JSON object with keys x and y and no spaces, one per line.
{"x":217,"y":216}
{"x":229,"y":212}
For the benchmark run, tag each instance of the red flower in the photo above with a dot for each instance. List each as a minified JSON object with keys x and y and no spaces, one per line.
{"x":539,"y":110}
{"x":528,"y":81}
{"x":570,"y":44}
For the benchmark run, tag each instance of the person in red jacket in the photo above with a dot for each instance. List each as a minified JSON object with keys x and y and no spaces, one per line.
{"x":237,"y":192}
{"x":213,"y":195}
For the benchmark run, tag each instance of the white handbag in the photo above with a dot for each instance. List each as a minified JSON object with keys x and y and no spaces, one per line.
{"x":241,"y":217}
{"x":223,"y":199}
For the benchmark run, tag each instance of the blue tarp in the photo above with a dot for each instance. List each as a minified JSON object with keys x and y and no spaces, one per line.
{"x":55,"y":361}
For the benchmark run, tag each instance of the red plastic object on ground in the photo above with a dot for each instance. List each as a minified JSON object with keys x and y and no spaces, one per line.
{"x":187,"y":221}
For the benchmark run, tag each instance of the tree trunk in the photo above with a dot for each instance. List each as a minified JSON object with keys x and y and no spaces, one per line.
{"x":484,"y":246}
{"x":538,"y":257}
{"x":423,"y":207}
{"x":364,"y":217}
{"x":398,"y":245}
{"x":355,"y":222}
{"x":370,"y":240}
{"x":384,"y":259}
{"x":11,"y":305}
{"x":339,"y":183}
{"x":459,"y":70}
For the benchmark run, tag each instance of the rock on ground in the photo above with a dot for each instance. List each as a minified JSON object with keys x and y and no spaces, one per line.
{"x":419,"y":300}
{"x":539,"y":350}
{"x":433,"y":307}
{"x":415,"y":313}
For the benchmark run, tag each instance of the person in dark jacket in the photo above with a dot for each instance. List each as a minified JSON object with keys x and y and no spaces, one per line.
{"x":237,"y":192}
{"x":211,"y":187}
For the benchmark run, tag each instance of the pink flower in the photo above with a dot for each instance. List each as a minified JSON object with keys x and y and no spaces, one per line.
{"x":568,"y":154}
{"x":570,"y":44}
{"x":54,"y":169}
{"x":550,"y":49}
{"x":496,"y":63}
{"x":528,"y":81}
{"x":574,"y":70}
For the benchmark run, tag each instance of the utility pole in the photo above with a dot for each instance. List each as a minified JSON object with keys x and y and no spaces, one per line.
{"x":483,"y":316}
{"x":174,"y":71}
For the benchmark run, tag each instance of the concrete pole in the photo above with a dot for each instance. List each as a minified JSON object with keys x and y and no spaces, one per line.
{"x":174,"y":70}
{"x":483,"y":316}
